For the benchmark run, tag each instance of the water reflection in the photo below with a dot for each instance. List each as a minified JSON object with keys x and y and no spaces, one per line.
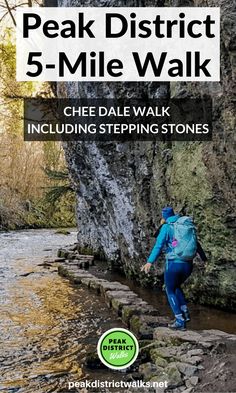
{"x":47,"y":326}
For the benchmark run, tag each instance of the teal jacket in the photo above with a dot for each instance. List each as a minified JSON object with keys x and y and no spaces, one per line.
{"x":163,"y":240}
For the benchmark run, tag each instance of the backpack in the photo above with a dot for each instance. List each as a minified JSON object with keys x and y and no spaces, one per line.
{"x":184,"y":243}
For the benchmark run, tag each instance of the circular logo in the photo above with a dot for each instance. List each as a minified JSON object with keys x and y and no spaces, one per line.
{"x":118,"y":348}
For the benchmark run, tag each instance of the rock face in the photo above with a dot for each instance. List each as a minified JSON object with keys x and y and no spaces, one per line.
{"x":122,"y":187}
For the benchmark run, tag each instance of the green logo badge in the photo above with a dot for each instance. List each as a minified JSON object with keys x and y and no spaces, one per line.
{"x":118,"y":348}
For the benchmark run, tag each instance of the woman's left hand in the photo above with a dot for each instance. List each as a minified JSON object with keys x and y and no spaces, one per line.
{"x":146,"y":268}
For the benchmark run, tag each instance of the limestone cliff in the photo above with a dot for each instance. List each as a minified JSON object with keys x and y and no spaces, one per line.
{"x":122,"y":187}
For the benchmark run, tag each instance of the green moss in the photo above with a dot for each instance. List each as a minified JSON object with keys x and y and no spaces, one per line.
{"x":62,"y":271}
{"x":144,"y":343}
{"x":85,"y":250}
{"x":188,"y":175}
{"x":135,"y":324}
{"x":62,"y":231}
{"x":174,"y":375}
{"x":157,"y":353}
{"x":160,"y":362}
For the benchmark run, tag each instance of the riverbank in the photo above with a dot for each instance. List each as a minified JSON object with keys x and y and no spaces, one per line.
{"x":191,"y":361}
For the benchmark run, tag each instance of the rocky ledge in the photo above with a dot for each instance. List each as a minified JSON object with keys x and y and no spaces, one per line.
{"x":189,"y":361}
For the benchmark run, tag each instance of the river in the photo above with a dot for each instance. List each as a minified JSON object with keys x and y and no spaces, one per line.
{"x":48,"y":326}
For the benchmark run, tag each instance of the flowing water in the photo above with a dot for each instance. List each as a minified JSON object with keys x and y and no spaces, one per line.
{"x":47,"y":326}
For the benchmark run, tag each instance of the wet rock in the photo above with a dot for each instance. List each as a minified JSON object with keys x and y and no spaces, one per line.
{"x":86,"y":257}
{"x":160,"y":362}
{"x":62,"y":253}
{"x":135,"y":376}
{"x":219,"y":348}
{"x":186,"y":369}
{"x":86,"y":281}
{"x":127,"y":296}
{"x":168,"y":353}
{"x":145,"y":343}
{"x":143,"y":308}
{"x":189,"y":390}
{"x":81,"y":262}
{"x":119,"y":303}
{"x":163,"y":383}
{"x":97,"y":283}
{"x":205,"y":339}
{"x":113,"y":286}
{"x":74,"y":248}
{"x":181,"y":336}
{"x":84,"y":265}
{"x":71,"y":255}
{"x":192,"y":381}
{"x":145,"y":347}
{"x":153,"y":320}
{"x":145,"y":332}
{"x":214,"y":334}
{"x":191,"y":359}
{"x":174,"y":376}
{"x":140,"y":327}
{"x":74,"y":275}
{"x":195,"y":352}
{"x":143,"y":325}
{"x":149,"y":370}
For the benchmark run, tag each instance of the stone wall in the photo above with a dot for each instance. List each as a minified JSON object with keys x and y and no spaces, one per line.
{"x":122,"y":187}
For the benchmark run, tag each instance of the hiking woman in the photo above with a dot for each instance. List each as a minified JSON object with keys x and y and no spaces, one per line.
{"x":178,"y":237}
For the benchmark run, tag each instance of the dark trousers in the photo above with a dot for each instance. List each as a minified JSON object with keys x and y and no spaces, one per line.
{"x":175,"y":274}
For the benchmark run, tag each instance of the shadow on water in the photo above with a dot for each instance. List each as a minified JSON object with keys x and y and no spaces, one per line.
{"x":46,"y":325}
{"x":203,"y":317}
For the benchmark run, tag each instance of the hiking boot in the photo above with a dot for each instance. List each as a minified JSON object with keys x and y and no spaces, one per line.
{"x":186,"y":316}
{"x":178,"y":324}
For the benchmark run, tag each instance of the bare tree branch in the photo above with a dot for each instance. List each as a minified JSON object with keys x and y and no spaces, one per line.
{"x":10,"y":12}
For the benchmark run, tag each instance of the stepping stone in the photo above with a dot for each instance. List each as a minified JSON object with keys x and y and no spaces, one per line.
{"x":126,"y":295}
{"x":118,"y":303}
{"x":97,"y":284}
{"x":144,"y":325}
{"x":77,"y":278}
{"x":86,"y":281}
{"x":137,"y":309}
{"x":73,"y":274}
{"x":86,"y":256}
{"x":59,"y":260}
{"x":84,"y":265}
{"x":62,"y":253}
{"x":113,"y":286}
{"x":204,"y":338}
